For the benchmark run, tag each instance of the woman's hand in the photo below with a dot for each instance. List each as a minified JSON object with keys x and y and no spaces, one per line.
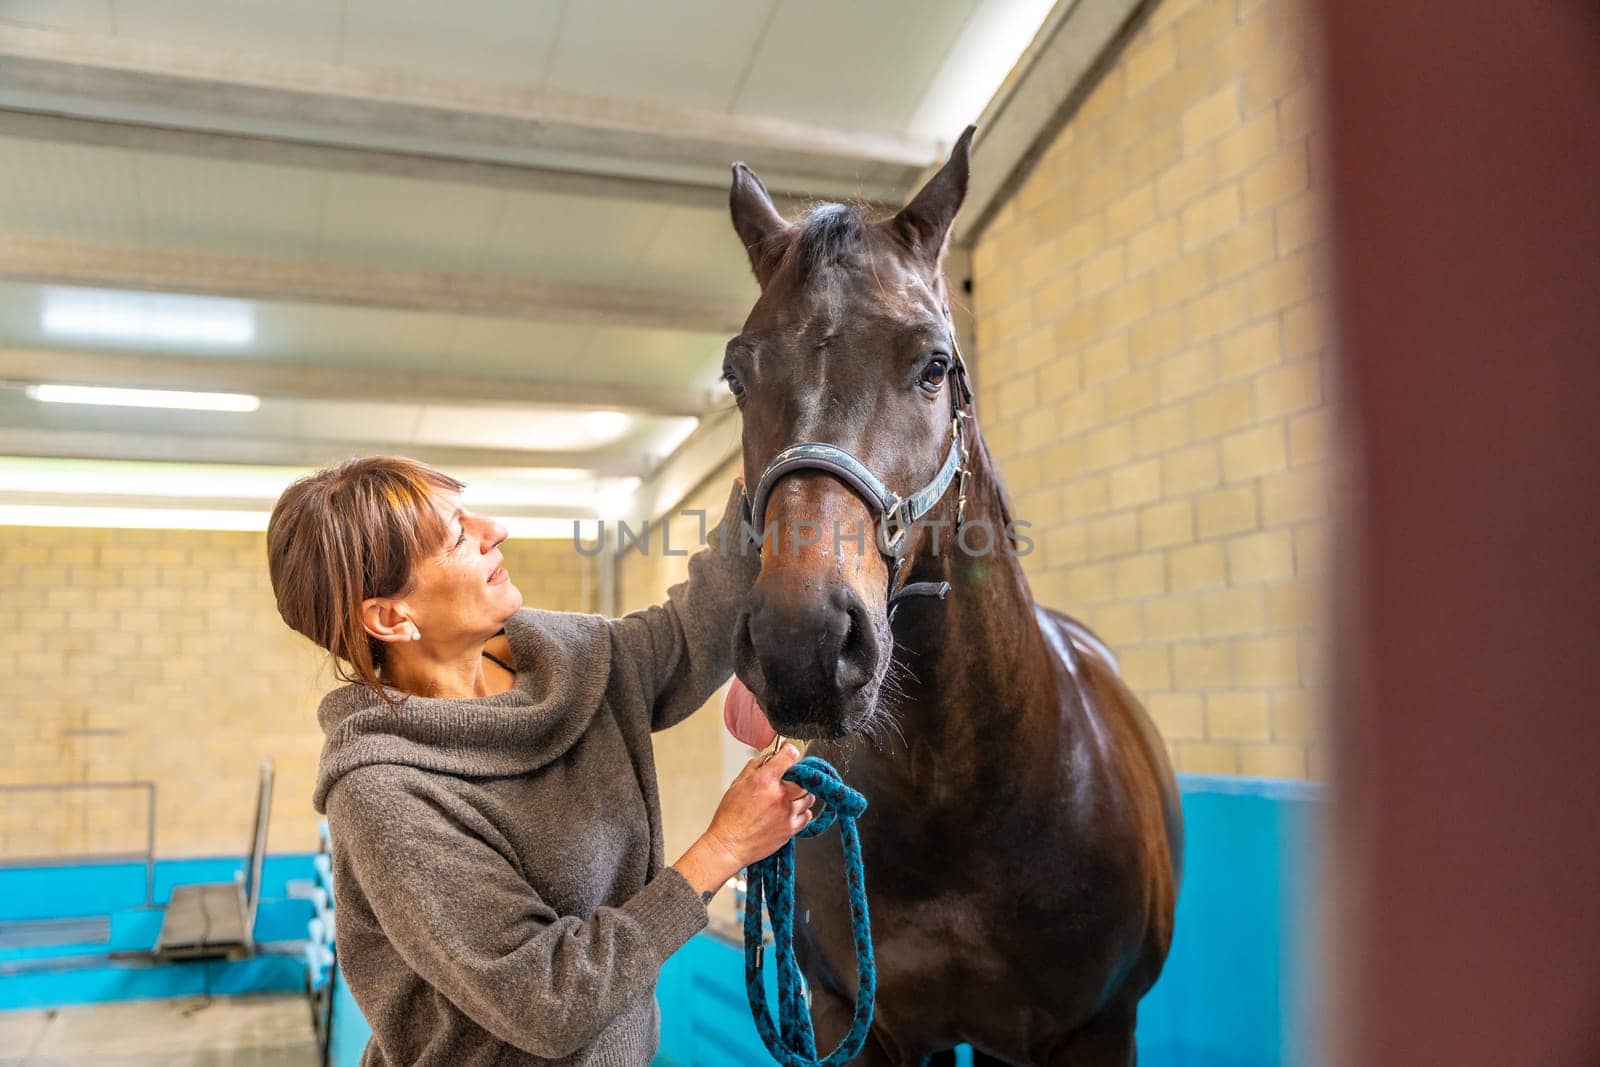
{"x":758,"y":813}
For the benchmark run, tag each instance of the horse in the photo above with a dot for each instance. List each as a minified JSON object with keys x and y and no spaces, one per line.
{"x":1024,"y":836}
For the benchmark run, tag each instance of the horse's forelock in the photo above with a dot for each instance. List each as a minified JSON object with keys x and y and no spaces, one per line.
{"x":829,"y":234}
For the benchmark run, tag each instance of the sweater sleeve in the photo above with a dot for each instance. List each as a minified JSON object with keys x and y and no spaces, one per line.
{"x":682,"y":650}
{"x":461,"y":917}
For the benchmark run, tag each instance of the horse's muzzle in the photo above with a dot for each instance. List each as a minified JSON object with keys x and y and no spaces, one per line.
{"x":817,"y":654}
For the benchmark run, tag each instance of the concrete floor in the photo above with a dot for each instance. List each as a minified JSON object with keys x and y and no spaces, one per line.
{"x":255,"y":1031}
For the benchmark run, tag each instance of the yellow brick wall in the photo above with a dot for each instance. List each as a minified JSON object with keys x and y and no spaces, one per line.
{"x":159,"y":655}
{"x":689,"y":756}
{"x":1153,"y":363}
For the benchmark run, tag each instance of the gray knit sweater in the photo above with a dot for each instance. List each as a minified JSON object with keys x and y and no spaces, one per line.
{"x":503,"y":897}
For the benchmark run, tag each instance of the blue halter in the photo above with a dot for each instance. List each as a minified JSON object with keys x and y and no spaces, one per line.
{"x":771,"y":883}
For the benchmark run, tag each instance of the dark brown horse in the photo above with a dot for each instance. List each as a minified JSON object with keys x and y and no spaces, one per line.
{"x":1023,"y":841}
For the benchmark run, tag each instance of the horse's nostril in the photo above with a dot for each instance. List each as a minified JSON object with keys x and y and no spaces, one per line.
{"x":856,"y":652}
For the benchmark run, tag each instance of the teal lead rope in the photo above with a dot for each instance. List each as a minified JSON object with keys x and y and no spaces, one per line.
{"x":771,"y":883}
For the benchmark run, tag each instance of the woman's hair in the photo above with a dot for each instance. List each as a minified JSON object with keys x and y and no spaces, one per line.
{"x":343,"y":535}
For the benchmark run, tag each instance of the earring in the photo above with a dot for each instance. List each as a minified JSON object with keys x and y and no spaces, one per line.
{"x":416,"y":635}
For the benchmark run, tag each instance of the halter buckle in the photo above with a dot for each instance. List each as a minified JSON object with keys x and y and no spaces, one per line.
{"x":894,"y":528}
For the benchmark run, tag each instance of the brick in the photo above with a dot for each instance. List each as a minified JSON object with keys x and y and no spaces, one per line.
{"x":1087,"y":496}
{"x":1135,"y":483}
{"x":1156,"y":336}
{"x":1296,"y":715}
{"x":1067,"y":544}
{"x":1242,"y":249}
{"x":1159,"y":150}
{"x":1200,"y":27}
{"x":1285,"y":283}
{"x":1178,"y":716}
{"x":1222,"y":410}
{"x":1210,"y":118}
{"x":1151,"y":60}
{"x":1283,"y":176}
{"x":1288,"y":389}
{"x":1312,"y":548}
{"x":1230,"y":612}
{"x":1295,"y":495}
{"x":1179,"y":280}
{"x":1131,"y":394}
{"x":1242,"y":149}
{"x":1311,"y":436}
{"x":1146,"y":667}
{"x":1261,"y":557}
{"x":1306,"y":329}
{"x":1128,"y":303}
{"x":1140,"y":576}
{"x":1108,"y":447}
{"x":1016,"y":396}
{"x":1036,"y":348}
{"x":1252,"y":453}
{"x":1090,"y":583}
{"x":1196,"y":567}
{"x":1082,"y":240}
{"x":1273,"y":761}
{"x":1038,"y":428}
{"x":1188,"y":373}
{"x":1131,"y":211}
{"x":1298,"y":113}
{"x":1059,"y":377}
{"x":1118,"y":624}
{"x":1219,"y":311}
{"x":1172,"y":618}
{"x":1113,"y":535}
{"x":1209,"y":216}
{"x":1152,"y":246}
{"x":1185,"y":182}
{"x":1266,"y":661}
{"x":1249,"y":350}
{"x":1226,"y":511}
{"x":1295,"y":605}
{"x":1101,"y":272}
{"x":1165,"y":524}
{"x":1207,"y":757}
{"x":1160,"y":430}
{"x":1107,"y":359}
{"x":1298,"y":223}
{"x":1234,"y":716}
{"x":1190,"y":469}
{"x":1201,"y":665}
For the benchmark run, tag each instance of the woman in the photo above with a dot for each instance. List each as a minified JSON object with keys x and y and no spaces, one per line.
{"x":488,"y":778}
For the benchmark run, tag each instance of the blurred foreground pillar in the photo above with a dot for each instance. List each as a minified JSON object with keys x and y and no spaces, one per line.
{"x":1466,"y":178}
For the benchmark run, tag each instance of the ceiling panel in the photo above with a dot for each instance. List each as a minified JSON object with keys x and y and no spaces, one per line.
{"x":685,"y":55}
{"x":695,"y":251}
{"x":68,"y":192}
{"x":86,"y":16}
{"x":851,"y":64}
{"x":406,"y":224}
{"x":218,"y":206}
{"x":568,"y":238}
{"x":305,"y":30}
{"x":492,"y":40}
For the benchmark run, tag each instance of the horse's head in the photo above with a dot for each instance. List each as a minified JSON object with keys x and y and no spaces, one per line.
{"x":849,"y":345}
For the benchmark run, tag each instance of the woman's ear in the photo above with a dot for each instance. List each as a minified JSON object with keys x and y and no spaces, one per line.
{"x":386,"y":619}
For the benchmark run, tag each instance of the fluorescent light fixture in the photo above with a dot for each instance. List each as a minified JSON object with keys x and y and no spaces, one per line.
{"x":143,"y":398}
{"x":993,"y":39}
{"x":607,"y":425}
{"x":145,"y":318}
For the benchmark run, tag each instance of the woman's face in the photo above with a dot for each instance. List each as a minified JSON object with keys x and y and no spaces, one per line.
{"x":462,"y":590}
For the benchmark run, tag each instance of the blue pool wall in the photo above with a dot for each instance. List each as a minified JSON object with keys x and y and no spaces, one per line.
{"x":1235,"y":991}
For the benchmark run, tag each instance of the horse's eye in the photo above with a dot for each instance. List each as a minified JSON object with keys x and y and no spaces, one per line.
{"x":735,"y":386}
{"x":933,"y":375}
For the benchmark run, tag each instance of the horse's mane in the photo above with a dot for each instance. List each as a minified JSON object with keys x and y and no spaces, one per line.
{"x":829,"y":234}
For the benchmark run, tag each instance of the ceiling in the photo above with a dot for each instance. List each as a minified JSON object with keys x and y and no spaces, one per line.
{"x":491,"y":234}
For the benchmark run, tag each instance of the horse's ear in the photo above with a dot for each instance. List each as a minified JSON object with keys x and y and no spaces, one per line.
{"x":925,"y":222}
{"x":757,"y":222}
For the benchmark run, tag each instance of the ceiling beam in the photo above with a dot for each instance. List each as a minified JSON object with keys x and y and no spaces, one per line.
{"x":1075,"y":44}
{"x":167,"y":501}
{"x":712,"y":445}
{"x":388,"y":163}
{"x":121,"y":267}
{"x":308,"y":381}
{"x":112,"y":77}
{"x":298,"y":452}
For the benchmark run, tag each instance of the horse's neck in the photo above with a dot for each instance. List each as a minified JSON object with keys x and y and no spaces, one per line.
{"x":974,"y":669}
